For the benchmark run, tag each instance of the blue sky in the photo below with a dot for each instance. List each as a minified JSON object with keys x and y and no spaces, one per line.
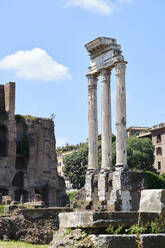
{"x":42,"y":50}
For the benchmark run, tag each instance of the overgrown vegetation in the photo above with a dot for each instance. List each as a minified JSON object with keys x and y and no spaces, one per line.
{"x":26,"y":117}
{"x":68,"y":148}
{"x":29,"y":118}
{"x":1,"y":209}
{"x":140,"y":155}
{"x":154,"y":181}
{"x":71,"y":196}
{"x":155,"y":227}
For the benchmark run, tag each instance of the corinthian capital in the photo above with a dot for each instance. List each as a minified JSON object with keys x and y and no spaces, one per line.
{"x":92,"y":81}
{"x":105,"y":74}
{"x":120,"y":67}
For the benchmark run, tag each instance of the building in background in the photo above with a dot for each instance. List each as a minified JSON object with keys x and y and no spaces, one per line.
{"x":60,"y":165}
{"x":157,"y":135}
{"x":136,"y":130}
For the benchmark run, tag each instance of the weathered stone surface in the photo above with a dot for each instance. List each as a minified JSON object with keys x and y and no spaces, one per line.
{"x":126,"y":188}
{"x":76,"y":238}
{"x":27,"y":153}
{"x":72,"y":238}
{"x":103,"y":219}
{"x":31,"y":225}
{"x":152,"y":240}
{"x":114,"y":241}
{"x":152,"y":200}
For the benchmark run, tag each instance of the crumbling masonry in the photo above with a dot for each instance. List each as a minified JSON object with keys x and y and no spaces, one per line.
{"x":28,"y":163}
{"x":113,"y":189}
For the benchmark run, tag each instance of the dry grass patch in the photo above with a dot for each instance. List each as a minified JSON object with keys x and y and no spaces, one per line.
{"x":14,"y":244}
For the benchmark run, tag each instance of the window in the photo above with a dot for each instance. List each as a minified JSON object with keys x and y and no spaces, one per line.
{"x":158,"y":138}
{"x":59,"y":163}
{"x":159,"y":165}
{"x":3,"y":141}
{"x":158,"y":151}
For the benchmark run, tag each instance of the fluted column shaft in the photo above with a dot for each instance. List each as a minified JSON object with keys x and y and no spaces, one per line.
{"x":92,"y":123}
{"x":106,"y":130}
{"x":121,"y":135}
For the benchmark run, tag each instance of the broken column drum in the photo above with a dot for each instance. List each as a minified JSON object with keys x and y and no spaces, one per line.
{"x":105,"y":55}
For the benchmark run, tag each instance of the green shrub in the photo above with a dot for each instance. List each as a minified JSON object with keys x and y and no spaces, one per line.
{"x":115,"y":230}
{"x":67,"y":231}
{"x":163,"y":175}
{"x":1,"y":208}
{"x":156,"y":227}
{"x":71,"y":196}
{"x":154,"y":181}
{"x":136,"y":229}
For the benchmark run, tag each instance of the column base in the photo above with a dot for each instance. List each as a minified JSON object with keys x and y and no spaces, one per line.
{"x":90,"y":183}
{"x":126,"y":190}
{"x":103,"y":185}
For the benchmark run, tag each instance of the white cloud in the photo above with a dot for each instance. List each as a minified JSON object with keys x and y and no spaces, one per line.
{"x":34,"y":64}
{"x":61,"y":141}
{"x":102,"y":6}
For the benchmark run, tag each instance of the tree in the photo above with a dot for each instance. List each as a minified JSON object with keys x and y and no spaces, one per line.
{"x":75,"y":166}
{"x":140,"y":155}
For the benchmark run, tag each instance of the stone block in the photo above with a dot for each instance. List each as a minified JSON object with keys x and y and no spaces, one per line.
{"x":152,"y":200}
{"x":101,"y":219}
{"x":9,"y":209}
{"x":152,"y":240}
{"x":126,"y":188}
{"x":113,"y":241}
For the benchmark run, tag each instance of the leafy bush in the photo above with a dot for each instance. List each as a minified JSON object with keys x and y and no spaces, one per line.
{"x":76,"y":166}
{"x":114,"y":230}
{"x":136,"y":229}
{"x":140,"y":153}
{"x":156,"y":227}
{"x":140,"y":156}
{"x":1,"y":209}
{"x":67,"y":231}
{"x":154,"y":181}
{"x":163,"y":175}
{"x":71,"y":196}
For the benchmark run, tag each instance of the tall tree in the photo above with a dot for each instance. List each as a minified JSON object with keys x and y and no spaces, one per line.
{"x":140,"y":155}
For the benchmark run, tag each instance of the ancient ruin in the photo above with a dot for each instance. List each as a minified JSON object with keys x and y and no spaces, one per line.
{"x":114,"y":202}
{"x":28,"y":164}
{"x":105,"y":55}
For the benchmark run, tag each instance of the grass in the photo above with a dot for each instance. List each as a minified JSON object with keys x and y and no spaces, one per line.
{"x":71,"y":196}
{"x":15,"y":244}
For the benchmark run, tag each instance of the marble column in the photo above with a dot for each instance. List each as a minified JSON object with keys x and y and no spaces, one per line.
{"x":121,"y":134}
{"x":92,"y":123}
{"x":106,"y":130}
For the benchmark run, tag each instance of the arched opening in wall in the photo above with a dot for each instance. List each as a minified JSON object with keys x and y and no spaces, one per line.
{"x":3,"y":191}
{"x":3,"y":141}
{"x":20,"y":163}
{"x":44,"y":191}
{"x":45,"y":195}
{"x":23,"y":193}
{"x":18,"y":180}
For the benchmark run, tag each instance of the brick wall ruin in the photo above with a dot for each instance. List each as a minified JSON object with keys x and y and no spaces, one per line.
{"x":28,"y":163}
